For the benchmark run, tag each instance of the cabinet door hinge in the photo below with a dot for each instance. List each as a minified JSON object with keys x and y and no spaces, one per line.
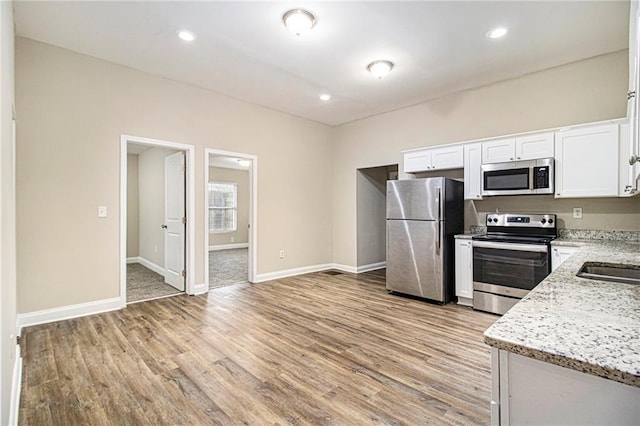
{"x":184,"y":273}
{"x":631,"y":94}
{"x":184,"y":220}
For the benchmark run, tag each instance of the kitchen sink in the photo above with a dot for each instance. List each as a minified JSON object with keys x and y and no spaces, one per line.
{"x":616,"y":272}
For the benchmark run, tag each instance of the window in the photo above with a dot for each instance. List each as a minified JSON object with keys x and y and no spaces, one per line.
{"x":223,"y":207}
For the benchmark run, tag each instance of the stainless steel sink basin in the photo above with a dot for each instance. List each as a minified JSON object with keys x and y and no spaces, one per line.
{"x":619,"y":273}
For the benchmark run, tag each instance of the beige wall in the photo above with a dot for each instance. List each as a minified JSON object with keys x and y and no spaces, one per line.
{"x":580,"y":92}
{"x":151,"y":204}
{"x":241,"y":178}
{"x":73,"y":109}
{"x":133,"y":214}
{"x":7,"y":212}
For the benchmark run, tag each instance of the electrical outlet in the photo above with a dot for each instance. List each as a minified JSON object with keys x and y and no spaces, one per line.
{"x":281,"y":254}
{"x":102,"y":211}
{"x":577,"y":212}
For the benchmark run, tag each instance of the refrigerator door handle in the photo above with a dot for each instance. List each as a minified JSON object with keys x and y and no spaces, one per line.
{"x":439,"y":219}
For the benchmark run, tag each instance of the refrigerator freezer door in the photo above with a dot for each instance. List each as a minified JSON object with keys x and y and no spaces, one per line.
{"x":414,"y":258}
{"x":415,"y":199}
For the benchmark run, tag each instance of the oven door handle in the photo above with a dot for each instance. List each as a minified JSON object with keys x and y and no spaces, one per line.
{"x":511,"y":246}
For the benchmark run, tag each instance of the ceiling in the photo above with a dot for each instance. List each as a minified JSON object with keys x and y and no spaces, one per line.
{"x":243,"y":51}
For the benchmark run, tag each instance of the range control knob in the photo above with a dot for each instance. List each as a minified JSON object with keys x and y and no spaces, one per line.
{"x":550,"y":221}
{"x":543,"y":221}
{"x":495,"y":220}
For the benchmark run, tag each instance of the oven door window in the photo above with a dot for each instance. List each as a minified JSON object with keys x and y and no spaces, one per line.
{"x":505,"y":180}
{"x":510,"y":268}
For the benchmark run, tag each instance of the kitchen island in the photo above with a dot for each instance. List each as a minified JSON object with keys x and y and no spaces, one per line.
{"x":569,"y":352}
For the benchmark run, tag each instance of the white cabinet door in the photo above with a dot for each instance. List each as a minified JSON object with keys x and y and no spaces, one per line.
{"x":536,"y":146}
{"x":418,"y":161}
{"x":587,"y":162}
{"x":464,"y":272}
{"x":560,"y":254}
{"x":472,"y":171}
{"x":499,"y":151}
{"x":448,"y":157}
{"x":425,"y":160}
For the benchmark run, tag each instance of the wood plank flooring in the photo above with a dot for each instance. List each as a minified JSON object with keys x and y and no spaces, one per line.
{"x":314,"y":349}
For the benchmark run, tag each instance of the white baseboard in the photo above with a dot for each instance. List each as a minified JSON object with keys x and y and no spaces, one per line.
{"x":344,"y":268}
{"x":465,"y":301}
{"x":371,"y":267}
{"x":292,"y":272}
{"x":16,"y":385}
{"x":147,"y":263}
{"x":68,"y":312}
{"x":317,"y":268}
{"x":200,"y":289}
{"x":228,"y":246}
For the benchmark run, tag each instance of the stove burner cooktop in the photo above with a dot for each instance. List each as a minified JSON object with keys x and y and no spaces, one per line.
{"x":520,"y":228}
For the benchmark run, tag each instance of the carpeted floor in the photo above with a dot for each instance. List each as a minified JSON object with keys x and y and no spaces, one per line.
{"x":228,"y":267}
{"x":144,"y":284}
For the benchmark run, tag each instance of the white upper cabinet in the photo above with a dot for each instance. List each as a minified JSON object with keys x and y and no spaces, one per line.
{"x":587,"y":162}
{"x":441,"y":158}
{"x":472,"y":171}
{"x":499,"y":151}
{"x":526,"y":147}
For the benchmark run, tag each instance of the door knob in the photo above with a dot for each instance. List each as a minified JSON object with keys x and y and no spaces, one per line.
{"x":163,"y":226}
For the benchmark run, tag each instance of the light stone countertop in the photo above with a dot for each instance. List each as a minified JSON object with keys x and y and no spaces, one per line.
{"x":587,"y":325}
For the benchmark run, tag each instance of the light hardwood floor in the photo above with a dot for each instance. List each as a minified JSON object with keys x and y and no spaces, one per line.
{"x":314,"y":349}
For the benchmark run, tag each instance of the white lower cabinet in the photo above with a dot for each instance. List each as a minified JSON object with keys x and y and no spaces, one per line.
{"x":526,"y":391}
{"x":464,"y":271}
{"x":560,"y":254}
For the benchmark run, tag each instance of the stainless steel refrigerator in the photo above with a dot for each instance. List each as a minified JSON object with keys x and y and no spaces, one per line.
{"x":423,"y":215}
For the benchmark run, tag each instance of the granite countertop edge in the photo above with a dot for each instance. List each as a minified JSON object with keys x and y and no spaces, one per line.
{"x":549,"y":325}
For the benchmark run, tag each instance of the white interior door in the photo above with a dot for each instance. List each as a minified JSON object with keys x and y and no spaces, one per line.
{"x":174,"y":215}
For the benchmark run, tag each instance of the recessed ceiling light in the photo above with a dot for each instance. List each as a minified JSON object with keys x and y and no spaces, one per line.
{"x":380,"y":68}
{"x":186,"y":35}
{"x":325,"y":97}
{"x":497,"y":32}
{"x":298,"y":21}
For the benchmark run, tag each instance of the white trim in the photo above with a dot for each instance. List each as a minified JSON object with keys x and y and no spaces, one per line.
{"x":200,"y":289}
{"x":253,"y":211}
{"x":371,"y":267}
{"x":293,"y":272}
{"x":319,"y":268}
{"x":149,"y":264}
{"x":228,"y":246}
{"x":190,"y":261}
{"x":465,"y":301}
{"x":67,"y":312}
{"x":131,"y":260}
{"x":16,"y":385}
{"x":344,"y":268}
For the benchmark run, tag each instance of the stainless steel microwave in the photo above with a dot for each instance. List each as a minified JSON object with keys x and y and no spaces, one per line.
{"x":518,"y":177}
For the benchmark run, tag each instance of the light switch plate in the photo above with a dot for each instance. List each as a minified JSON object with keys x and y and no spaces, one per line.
{"x":102,"y":211}
{"x":577,"y":212}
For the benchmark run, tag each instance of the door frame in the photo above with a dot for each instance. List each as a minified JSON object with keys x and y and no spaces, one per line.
{"x":190,"y":287}
{"x":253,"y":210}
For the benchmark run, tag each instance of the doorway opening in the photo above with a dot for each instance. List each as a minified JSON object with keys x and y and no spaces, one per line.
{"x":156,"y":217}
{"x":371,"y":193}
{"x":230,"y":218}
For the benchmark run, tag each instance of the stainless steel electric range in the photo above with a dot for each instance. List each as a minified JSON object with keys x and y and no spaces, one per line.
{"x":511,"y":259}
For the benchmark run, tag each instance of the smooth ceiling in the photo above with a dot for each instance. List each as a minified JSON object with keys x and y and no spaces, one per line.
{"x":243,"y":50}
